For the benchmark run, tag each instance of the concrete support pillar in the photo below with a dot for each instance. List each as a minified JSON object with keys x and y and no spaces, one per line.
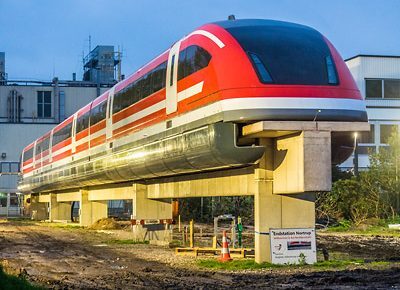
{"x":149,"y":209}
{"x":38,"y":209}
{"x":59,"y":210}
{"x":144,"y":208}
{"x":291,"y":170}
{"x":91,"y":211}
{"x":267,"y":206}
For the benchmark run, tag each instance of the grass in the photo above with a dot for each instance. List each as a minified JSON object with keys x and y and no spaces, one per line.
{"x":9,"y":282}
{"x":126,"y":242}
{"x":372,"y":228}
{"x":246,"y":264}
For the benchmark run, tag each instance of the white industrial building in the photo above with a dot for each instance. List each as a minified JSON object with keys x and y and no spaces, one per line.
{"x":378,"y":78}
{"x":29,"y":109}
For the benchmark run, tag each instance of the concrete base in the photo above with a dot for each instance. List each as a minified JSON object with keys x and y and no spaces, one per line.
{"x":156,"y":234}
{"x":38,"y":209}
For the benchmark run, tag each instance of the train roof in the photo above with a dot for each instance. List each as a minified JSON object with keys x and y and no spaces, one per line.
{"x":227,"y":24}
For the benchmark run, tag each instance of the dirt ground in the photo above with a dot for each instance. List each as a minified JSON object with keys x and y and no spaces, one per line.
{"x":65,"y":258}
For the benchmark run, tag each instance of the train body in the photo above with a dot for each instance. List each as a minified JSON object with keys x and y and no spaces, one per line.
{"x":181,"y":112}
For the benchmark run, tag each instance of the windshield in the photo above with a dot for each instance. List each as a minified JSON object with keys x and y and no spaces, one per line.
{"x":287,"y":54}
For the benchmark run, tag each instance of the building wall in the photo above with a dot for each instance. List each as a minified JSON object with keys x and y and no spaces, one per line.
{"x":15,"y":136}
{"x":381,"y":112}
{"x":75,"y":98}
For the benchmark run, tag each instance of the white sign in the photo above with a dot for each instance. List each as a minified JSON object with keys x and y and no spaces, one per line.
{"x":293,"y":246}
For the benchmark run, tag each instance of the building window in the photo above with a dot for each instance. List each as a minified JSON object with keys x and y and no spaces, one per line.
{"x":392,"y":89}
{"x":44,"y":104}
{"x":382,"y":88}
{"x":386,"y":132}
{"x":373,"y":89}
{"x":367,"y":137}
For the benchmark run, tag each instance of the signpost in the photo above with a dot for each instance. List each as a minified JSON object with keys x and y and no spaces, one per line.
{"x":293,"y":246}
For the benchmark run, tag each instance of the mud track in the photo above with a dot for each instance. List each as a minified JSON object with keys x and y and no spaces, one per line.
{"x":60,"y":258}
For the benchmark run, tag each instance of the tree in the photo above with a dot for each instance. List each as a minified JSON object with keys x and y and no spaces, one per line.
{"x":375,"y":193}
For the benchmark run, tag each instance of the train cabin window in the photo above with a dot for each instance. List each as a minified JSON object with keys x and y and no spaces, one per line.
{"x":158,"y":79}
{"x":373,"y":89}
{"x":82,"y":122}
{"x":126,"y":97}
{"x":28,"y":154}
{"x":98,"y":113}
{"x":146,"y":89}
{"x":260,"y":68}
{"x":331,"y":71}
{"x":62,"y":134}
{"x":45,"y":143}
{"x":150,"y":83}
{"x":182,"y":64}
{"x":191,"y":60}
{"x":38,"y":148}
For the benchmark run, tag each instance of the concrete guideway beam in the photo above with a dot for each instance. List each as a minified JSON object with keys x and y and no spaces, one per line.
{"x":295,"y":165}
{"x":273,"y":129}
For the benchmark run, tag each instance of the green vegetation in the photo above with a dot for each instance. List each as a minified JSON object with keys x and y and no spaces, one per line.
{"x":8,"y":282}
{"x":126,"y":242}
{"x":247,"y":264}
{"x":206,"y":208}
{"x":374,"y":194}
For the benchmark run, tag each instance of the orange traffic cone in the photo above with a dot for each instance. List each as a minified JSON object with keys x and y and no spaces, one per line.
{"x":225,"y":256}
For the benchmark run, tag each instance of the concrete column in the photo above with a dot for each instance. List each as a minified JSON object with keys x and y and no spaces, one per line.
{"x":149,"y":209}
{"x":59,"y":210}
{"x":267,"y":206}
{"x":91,"y":211}
{"x":38,"y":209}
{"x":144,"y":208}
{"x":292,"y":169}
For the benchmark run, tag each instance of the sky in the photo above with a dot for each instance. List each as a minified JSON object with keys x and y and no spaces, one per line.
{"x":47,"y":38}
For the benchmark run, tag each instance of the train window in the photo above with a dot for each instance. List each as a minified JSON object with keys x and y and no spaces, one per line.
{"x":62,"y":134}
{"x":38,"y":148}
{"x":291,"y":54}
{"x":82,"y":122}
{"x":98,"y":113}
{"x":330,"y":67}
{"x":182,"y":64}
{"x":150,"y":83}
{"x":192,"y":59}
{"x":45,"y":143}
{"x":158,"y":79}
{"x":146,"y":89}
{"x":260,"y":68}
{"x":28,"y":154}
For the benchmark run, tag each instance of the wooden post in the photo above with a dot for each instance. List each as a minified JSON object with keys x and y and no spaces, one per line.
{"x":191,"y":232}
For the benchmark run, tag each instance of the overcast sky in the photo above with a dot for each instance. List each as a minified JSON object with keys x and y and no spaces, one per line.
{"x":46,"y":38}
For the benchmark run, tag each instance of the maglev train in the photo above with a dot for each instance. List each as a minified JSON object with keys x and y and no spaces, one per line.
{"x":182,"y":112}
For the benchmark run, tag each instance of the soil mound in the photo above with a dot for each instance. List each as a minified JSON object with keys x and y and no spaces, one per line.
{"x":106,"y":224}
